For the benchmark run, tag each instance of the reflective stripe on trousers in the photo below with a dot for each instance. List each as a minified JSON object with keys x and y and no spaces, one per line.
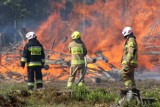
{"x":30,"y":84}
{"x":39,"y":81}
{"x":77,"y":61}
{"x":23,"y":59}
{"x":34,"y":64}
{"x":132,"y":62}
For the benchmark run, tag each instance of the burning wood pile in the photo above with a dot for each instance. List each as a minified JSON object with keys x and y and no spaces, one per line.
{"x":95,"y":71}
{"x":61,"y":61}
{"x":11,"y":75}
{"x":12,"y":54}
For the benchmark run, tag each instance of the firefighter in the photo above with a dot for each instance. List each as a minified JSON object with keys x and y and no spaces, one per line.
{"x":33,"y":55}
{"x":129,"y":59}
{"x":78,"y":50}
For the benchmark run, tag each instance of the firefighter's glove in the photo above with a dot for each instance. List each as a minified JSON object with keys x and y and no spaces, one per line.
{"x":106,"y":60}
{"x":22,"y":65}
{"x":68,"y":63}
{"x":94,"y":60}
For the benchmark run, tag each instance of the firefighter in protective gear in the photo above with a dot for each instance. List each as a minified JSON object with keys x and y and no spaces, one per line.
{"x":33,"y":55}
{"x":129,"y":59}
{"x":78,"y":50}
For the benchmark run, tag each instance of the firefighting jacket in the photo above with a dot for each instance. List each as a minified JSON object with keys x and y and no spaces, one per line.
{"x":130,"y":53}
{"x":33,"y":54}
{"x":78,"y":50}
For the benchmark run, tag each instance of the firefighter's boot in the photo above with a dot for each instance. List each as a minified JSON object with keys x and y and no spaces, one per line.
{"x":69,"y":84}
{"x":129,"y":95}
{"x":30,"y":87}
{"x":39,"y":85}
{"x":81,"y":84}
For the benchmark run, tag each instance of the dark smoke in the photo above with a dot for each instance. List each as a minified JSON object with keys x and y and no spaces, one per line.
{"x":66,"y":10}
{"x":84,"y":24}
{"x":15,"y":15}
{"x":104,"y":1}
{"x":88,"y":2}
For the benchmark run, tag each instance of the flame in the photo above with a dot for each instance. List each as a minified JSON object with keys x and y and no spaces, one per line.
{"x":100,"y":24}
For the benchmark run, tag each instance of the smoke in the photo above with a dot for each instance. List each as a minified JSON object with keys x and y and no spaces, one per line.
{"x":88,"y":2}
{"x":64,"y":12}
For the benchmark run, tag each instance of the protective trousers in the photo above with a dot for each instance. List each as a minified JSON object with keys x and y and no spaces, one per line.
{"x":127,"y":75}
{"x":34,"y":72}
{"x":73,"y":72}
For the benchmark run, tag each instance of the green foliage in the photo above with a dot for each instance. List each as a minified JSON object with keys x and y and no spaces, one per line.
{"x":130,"y":104}
{"x":16,"y":7}
{"x":80,"y":93}
{"x":153,"y":93}
{"x":17,"y":94}
{"x":97,"y":95}
{"x":11,"y":10}
{"x":100,"y":95}
{"x":155,"y":104}
{"x":11,"y":2}
{"x":7,"y":87}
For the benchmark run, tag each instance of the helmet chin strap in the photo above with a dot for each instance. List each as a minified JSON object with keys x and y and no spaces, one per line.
{"x":125,"y":37}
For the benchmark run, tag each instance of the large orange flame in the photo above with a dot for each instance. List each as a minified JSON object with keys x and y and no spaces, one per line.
{"x":100,"y":25}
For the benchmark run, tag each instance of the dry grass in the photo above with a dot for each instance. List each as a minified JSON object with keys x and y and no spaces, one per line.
{"x":55,"y":94}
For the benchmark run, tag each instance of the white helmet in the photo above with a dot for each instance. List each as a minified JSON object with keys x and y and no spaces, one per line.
{"x":126,"y":31}
{"x":30,"y":35}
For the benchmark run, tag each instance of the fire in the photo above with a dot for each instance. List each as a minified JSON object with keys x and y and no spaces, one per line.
{"x":100,"y":24}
